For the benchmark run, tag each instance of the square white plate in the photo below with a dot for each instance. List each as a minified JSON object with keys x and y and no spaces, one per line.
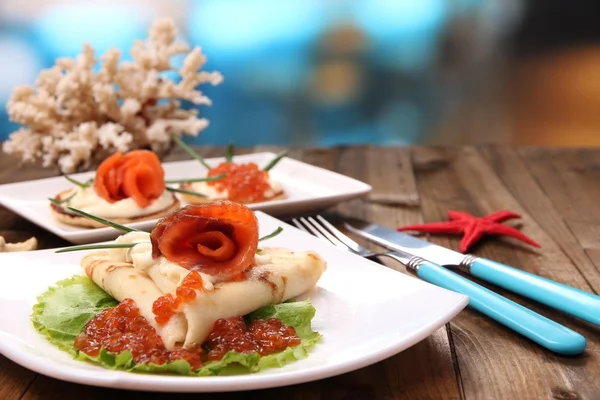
{"x":308,"y":188}
{"x":365,"y":312}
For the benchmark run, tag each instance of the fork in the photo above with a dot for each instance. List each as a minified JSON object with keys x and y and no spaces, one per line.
{"x":539,"y":329}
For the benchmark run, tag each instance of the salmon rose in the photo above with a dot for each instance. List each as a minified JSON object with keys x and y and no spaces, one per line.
{"x":137,"y":174}
{"x":218,"y":238}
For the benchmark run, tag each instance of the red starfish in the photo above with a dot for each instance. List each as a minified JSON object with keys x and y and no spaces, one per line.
{"x":473,"y":228}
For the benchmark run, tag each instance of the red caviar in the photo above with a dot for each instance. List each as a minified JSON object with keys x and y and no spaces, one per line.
{"x":186,"y":295}
{"x":273,"y":336}
{"x":166,"y":306}
{"x":187,"y":290}
{"x":263,"y":337}
{"x":245,"y":183}
{"x":193,"y":280}
{"x":122,"y":328}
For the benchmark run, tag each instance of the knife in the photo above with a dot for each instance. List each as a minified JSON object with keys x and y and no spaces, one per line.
{"x":568,"y":299}
{"x":530,"y":324}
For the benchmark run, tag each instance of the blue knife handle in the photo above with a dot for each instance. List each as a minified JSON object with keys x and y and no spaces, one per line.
{"x":536,"y":327}
{"x":562,"y":297}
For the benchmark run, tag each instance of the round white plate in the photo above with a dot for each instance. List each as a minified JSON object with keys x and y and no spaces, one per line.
{"x":365,"y":312}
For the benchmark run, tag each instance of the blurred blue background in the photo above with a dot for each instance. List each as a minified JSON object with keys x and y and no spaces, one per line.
{"x":297,"y":72}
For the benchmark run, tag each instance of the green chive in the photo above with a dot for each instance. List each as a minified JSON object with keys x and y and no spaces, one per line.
{"x":58,"y":202}
{"x":102,"y":220}
{"x":229,"y":153}
{"x":190,"y":151}
{"x":272,"y":234}
{"x":76,"y":182}
{"x":99,"y":246}
{"x":274,"y":162}
{"x":205,"y":179}
{"x":170,"y":189}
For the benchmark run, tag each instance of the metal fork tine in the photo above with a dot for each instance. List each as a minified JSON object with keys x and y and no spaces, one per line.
{"x":329,"y":236}
{"x":299,"y":225}
{"x":325,"y":231}
{"x":342,"y":237}
{"x":313,"y":230}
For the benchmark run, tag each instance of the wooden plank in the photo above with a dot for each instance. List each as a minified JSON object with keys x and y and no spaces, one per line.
{"x":318,"y":156}
{"x":366,"y":383}
{"x":535,"y":193}
{"x":14,"y":379}
{"x":495,"y":362}
{"x":571,"y":180}
{"x":11,"y":170}
{"x":45,"y":388}
{"x":389,"y":171}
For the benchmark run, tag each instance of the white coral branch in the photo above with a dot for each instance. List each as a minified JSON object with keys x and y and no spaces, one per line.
{"x":75,"y":112}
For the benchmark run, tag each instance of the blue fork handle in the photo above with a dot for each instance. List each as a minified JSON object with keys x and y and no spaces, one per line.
{"x":562,"y":297}
{"x":541,"y":330}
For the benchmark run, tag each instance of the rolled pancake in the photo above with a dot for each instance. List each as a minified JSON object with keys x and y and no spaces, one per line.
{"x":122,"y":280}
{"x":279,"y":275}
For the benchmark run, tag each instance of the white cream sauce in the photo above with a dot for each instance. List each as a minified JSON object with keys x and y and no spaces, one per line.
{"x":87,"y":200}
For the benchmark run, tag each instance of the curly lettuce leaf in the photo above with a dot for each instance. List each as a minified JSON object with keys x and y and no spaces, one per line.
{"x":63,"y":310}
{"x":298,"y":314}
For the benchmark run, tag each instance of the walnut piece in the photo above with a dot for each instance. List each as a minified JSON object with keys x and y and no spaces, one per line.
{"x":29,"y":244}
{"x":76,"y":112}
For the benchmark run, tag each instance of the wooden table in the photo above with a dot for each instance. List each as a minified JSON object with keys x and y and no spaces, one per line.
{"x":557,"y":192}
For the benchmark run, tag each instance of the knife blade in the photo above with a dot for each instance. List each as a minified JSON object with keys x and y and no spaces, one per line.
{"x":576,"y":302}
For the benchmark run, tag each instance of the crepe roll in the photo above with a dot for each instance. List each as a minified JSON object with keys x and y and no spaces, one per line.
{"x":122,"y":280}
{"x":280,"y":274}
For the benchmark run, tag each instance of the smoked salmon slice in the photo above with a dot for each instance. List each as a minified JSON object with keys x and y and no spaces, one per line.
{"x":218,"y":238}
{"x":138,"y":175}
